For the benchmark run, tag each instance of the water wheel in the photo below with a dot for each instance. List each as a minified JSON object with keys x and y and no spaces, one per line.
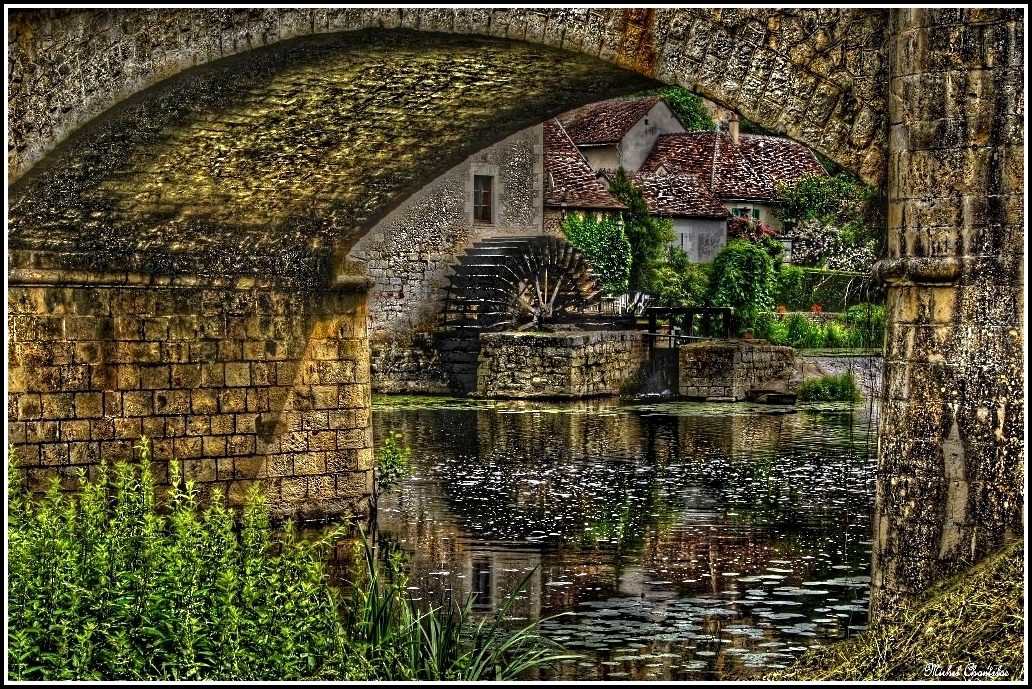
{"x":511,"y":283}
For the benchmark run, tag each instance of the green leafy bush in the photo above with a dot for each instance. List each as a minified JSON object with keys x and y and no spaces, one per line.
{"x":606,"y":247}
{"x":743,"y":278}
{"x":108,"y":585}
{"x":117,"y":582}
{"x":679,"y":282}
{"x":392,"y":463}
{"x":840,"y":388}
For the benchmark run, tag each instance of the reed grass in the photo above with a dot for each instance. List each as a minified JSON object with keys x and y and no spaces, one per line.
{"x":112,"y":583}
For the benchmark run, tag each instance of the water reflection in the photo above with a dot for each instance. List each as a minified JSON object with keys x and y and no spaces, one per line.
{"x":684,"y":540}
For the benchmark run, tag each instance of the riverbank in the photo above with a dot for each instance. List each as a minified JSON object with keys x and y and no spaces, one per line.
{"x":970,"y":627}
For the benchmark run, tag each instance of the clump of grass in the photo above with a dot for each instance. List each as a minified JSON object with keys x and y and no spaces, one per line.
{"x":972,"y":621}
{"x":115,"y":583}
{"x":840,"y":388}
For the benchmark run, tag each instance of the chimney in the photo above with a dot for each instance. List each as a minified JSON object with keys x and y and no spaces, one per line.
{"x":733,"y":127}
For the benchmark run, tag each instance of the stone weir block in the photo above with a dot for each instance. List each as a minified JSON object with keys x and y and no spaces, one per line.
{"x":727,"y":369}
{"x":563,"y":365}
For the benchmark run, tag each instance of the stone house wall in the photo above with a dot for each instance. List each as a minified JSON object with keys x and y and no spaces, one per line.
{"x":410,"y":254}
{"x":241,"y":382}
{"x":582,"y":364}
{"x":725,"y":370}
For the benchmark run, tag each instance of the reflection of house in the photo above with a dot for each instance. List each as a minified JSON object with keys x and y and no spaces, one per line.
{"x":570,"y":183}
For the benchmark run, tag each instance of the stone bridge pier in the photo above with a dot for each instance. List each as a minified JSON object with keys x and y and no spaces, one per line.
{"x":951,"y":455}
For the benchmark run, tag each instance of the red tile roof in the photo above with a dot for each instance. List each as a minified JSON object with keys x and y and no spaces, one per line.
{"x":747,"y":171}
{"x":779,"y":158}
{"x":569,"y":180}
{"x":607,"y":121}
{"x":678,"y":195}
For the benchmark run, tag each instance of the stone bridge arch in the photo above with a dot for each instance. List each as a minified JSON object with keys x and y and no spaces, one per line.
{"x":927,"y":102}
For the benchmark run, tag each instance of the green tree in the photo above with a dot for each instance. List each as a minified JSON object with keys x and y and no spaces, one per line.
{"x":648,"y":235}
{"x":744,"y":279}
{"x":606,"y":246}
{"x":838,"y":201}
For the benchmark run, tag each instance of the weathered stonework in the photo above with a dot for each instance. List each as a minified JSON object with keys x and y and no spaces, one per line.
{"x":239,"y":381}
{"x":726,"y":370}
{"x":816,"y":75}
{"x":411,"y":252}
{"x":560,"y":365}
{"x":930,"y":101}
{"x":409,"y":365}
{"x":951,"y":482}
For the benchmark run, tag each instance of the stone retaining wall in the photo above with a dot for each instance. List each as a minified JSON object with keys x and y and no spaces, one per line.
{"x":582,"y":364}
{"x":725,"y":370}
{"x":240,"y":382}
{"x":408,"y":366}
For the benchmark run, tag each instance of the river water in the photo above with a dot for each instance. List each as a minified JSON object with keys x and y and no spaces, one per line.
{"x":680,"y":541}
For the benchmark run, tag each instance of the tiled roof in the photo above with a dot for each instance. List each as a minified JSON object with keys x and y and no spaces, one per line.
{"x":747,"y":171}
{"x":779,"y":158}
{"x":569,"y":180}
{"x":607,"y":121}
{"x":678,"y":195}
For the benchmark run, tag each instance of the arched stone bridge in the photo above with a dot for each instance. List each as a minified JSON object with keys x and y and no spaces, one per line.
{"x":183,"y":184}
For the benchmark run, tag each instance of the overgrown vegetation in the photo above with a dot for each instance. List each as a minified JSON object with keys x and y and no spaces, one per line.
{"x":120,"y":582}
{"x":606,"y":246}
{"x":648,"y":235}
{"x":743,"y":278}
{"x":972,"y":623}
{"x":678,"y":282}
{"x":862,"y":326}
{"x":840,"y":388}
{"x":830,"y":222}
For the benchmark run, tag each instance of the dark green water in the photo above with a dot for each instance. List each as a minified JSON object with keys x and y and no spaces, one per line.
{"x":683,"y":541}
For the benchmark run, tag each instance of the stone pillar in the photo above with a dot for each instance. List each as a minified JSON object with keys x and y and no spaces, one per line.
{"x":950,"y":483}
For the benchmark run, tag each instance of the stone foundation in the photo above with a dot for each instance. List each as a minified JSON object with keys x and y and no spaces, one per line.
{"x":726,"y":370}
{"x":238,"y":380}
{"x":581,"y":364}
{"x":408,"y":366}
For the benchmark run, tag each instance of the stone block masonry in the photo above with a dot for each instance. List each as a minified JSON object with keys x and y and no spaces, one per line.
{"x":726,"y":370}
{"x":563,"y":365}
{"x":239,"y":381}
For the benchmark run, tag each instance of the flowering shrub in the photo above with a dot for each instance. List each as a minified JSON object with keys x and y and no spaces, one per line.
{"x":822,"y":245}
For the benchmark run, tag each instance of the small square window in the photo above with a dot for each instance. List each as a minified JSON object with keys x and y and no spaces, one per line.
{"x":483,"y":198}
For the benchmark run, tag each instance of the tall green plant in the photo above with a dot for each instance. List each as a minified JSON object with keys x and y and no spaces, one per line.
{"x":679,"y":282}
{"x":113,"y":583}
{"x":743,"y":278}
{"x":606,"y":247}
{"x":108,"y":584}
{"x":648,"y":235}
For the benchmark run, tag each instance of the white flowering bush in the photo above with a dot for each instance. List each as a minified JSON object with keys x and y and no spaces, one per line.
{"x":822,"y":245}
